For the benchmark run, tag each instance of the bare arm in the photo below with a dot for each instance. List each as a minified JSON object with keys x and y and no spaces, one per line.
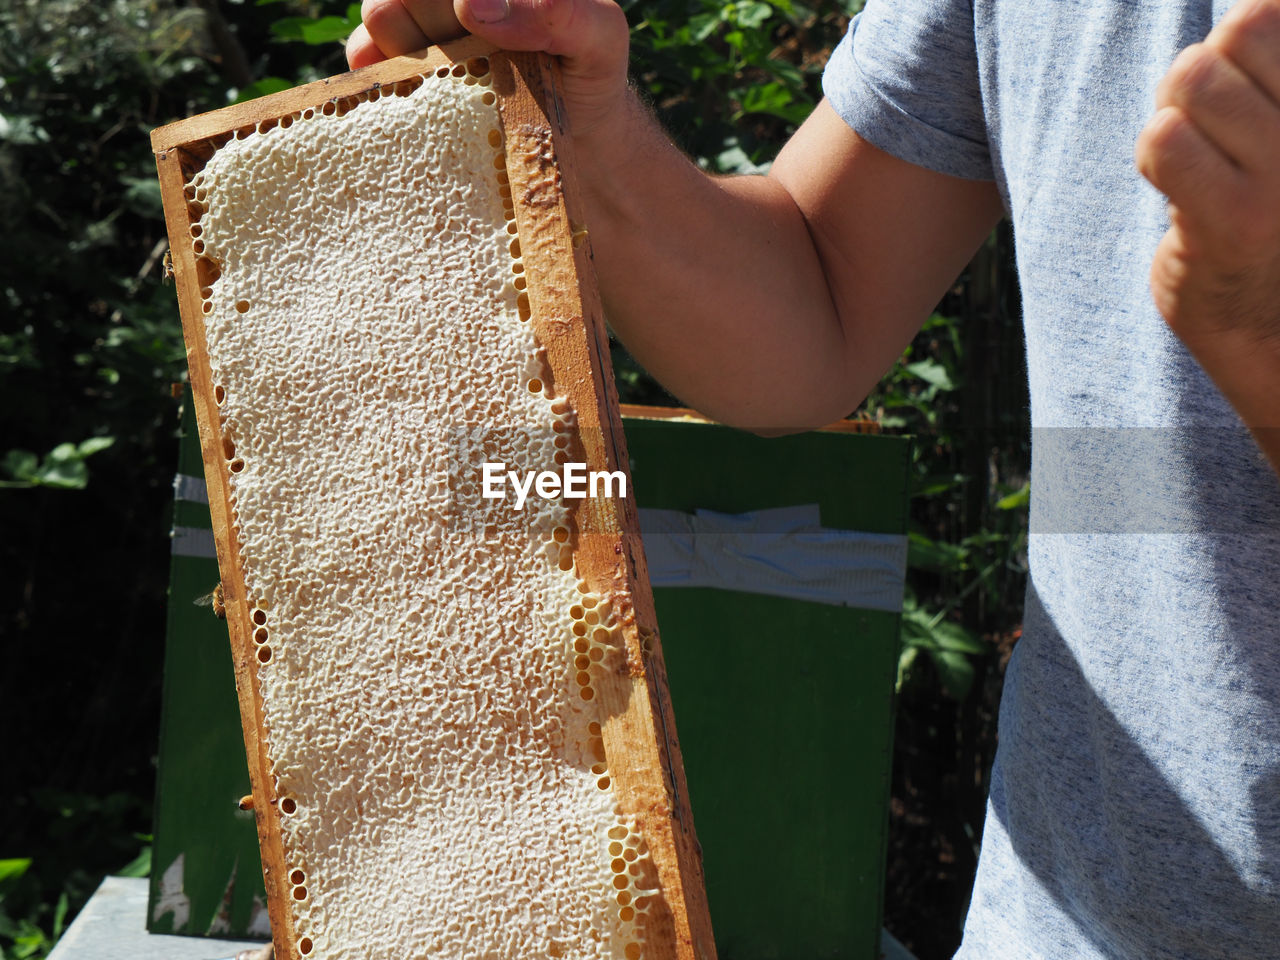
{"x":776,"y":302}
{"x":773,"y":303}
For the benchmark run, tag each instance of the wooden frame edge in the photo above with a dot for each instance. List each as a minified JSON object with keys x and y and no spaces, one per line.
{"x":612,"y":557}
{"x":178,"y":221}
{"x":568,"y":319}
{"x":252,"y":112}
{"x":644,"y":411}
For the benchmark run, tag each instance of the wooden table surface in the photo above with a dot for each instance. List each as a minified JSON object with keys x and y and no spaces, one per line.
{"x":111,"y":927}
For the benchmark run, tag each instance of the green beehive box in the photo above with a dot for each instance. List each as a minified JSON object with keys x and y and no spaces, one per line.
{"x":783,"y":705}
{"x":206,"y":876}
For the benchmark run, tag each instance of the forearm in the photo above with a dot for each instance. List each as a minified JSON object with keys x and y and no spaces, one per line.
{"x":773,"y":303}
{"x":713,"y":283}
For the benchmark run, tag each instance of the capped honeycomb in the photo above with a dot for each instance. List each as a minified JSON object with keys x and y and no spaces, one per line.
{"x":426,"y":661}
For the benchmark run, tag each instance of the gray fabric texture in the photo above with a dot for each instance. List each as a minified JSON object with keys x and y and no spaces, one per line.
{"x":1135,"y":803}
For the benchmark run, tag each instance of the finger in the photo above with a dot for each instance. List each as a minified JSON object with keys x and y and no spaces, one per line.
{"x":435,"y":18}
{"x":1169,"y":272}
{"x":1180,"y":161}
{"x":590,"y":36}
{"x":1224,"y":102}
{"x":1249,"y":35}
{"x":361,"y":50}
{"x":392,"y":29}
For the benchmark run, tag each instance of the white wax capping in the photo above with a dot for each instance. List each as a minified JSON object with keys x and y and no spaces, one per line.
{"x":424,"y":702}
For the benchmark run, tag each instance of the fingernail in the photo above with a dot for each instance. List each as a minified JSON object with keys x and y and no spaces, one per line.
{"x":489,"y":11}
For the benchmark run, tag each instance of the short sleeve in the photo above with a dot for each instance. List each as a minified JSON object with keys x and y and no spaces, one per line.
{"x":905,"y":77}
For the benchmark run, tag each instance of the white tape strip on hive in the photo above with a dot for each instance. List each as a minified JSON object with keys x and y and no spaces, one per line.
{"x":433,"y":672}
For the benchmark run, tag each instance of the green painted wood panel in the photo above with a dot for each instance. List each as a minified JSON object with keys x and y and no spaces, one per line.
{"x":784,"y":708}
{"x":205,"y":863}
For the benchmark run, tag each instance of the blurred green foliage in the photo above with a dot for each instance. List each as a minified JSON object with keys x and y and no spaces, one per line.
{"x":953,"y":557}
{"x":83,"y":838}
{"x":731,"y":80}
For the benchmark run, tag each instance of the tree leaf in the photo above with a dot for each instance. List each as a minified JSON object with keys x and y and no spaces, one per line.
{"x":733,"y":159}
{"x":139,"y":866}
{"x":937,"y":483}
{"x":906,"y":659}
{"x":752,"y":15}
{"x":64,"y":475}
{"x":774,"y":99}
{"x":289,"y":28}
{"x":702,"y":26}
{"x":21,"y":465}
{"x":326,"y":30}
{"x":915,"y":633}
{"x":932,"y":373}
{"x":94,"y":445}
{"x":935,"y":555}
{"x":22,"y":131}
{"x":260,"y":88}
{"x":949,"y":635}
{"x":63,"y":453}
{"x":1016,"y":500}
{"x":11,"y":870}
{"x":60,"y":915}
{"x":63,"y":468}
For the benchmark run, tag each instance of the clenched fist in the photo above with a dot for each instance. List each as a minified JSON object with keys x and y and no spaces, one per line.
{"x":1213,"y":147}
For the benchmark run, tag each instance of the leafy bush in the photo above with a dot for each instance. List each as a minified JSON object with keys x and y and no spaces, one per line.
{"x":731,"y":80}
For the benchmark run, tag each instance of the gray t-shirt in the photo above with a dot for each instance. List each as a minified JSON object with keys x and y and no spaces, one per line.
{"x":1135,"y":802}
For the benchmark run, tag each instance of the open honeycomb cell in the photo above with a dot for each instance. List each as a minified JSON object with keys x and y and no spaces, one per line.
{"x":428,"y":694}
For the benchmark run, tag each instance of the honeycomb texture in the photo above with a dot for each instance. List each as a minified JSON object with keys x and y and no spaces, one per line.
{"x":426,"y":657}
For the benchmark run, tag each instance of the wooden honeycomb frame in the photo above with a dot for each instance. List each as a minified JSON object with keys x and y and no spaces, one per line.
{"x":564,"y":307}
